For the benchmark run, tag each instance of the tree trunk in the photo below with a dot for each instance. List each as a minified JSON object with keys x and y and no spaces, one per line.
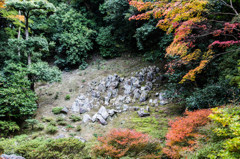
{"x":27,"y":36}
{"x":19,"y":35}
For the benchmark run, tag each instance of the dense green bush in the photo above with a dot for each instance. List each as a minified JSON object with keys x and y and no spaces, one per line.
{"x":41,"y":71}
{"x":17,"y":100}
{"x":8,"y":127}
{"x":107,"y":42}
{"x":72,"y":35}
{"x":211,"y":96}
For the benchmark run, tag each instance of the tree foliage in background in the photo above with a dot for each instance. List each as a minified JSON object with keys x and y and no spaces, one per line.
{"x":72,"y":34}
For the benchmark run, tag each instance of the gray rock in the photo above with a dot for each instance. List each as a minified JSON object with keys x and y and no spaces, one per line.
{"x":103,"y":112}
{"x":111,"y":112}
{"x":114,"y":93}
{"x":155,"y":102}
{"x":81,"y":97}
{"x":95,"y":94}
{"x":150,"y":76}
{"x":114,"y":84}
{"x":102,"y":87}
{"x":148,"y":86}
{"x":101,"y":120}
{"x":142,"y":113}
{"x":80,"y":139}
{"x":75,"y":107}
{"x":11,"y":156}
{"x":64,"y":110}
{"x":135,"y":82}
{"x":60,"y":136}
{"x":144,"y":96}
{"x":125,"y":107}
{"x":147,"y":109}
{"x":86,"y":118}
{"x":94,"y":118}
{"x":83,"y":110}
{"x":127,"y":100}
{"x":127,"y":89}
{"x":163,"y":100}
{"x":136,"y":94}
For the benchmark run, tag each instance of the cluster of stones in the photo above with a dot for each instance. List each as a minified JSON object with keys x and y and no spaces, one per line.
{"x":117,"y":93}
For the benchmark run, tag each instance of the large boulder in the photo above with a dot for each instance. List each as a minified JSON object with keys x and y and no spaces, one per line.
{"x":136,"y":94}
{"x":86,"y":118}
{"x":103,"y":112}
{"x":76,"y":106}
{"x":98,"y":117}
{"x":64,"y":110}
{"x":144,"y":96}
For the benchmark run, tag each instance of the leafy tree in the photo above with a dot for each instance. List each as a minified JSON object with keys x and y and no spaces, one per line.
{"x":71,"y":31}
{"x":41,"y":71}
{"x":29,"y":8}
{"x":189,"y":21}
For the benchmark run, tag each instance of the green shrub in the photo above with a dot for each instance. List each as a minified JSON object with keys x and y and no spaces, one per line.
{"x":1,"y":150}
{"x":51,"y":129}
{"x":53,"y":123}
{"x":70,"y":148}
{"x":228,"y":128}
{"x":57,"y":110}
{"x":211,"y":96}
{"x":59,"y":118}
{"x":68,"y":127}
{"x":41,"y":148}
{"x":47,"y":119}
{"x":39,"y":126}
{"x":8,"y":127}
{"x":67,"y":97}
{"x":83,"y":66}
{"x":75,"y":118}
{"x":63,"y":123}
{"x":32,"y":122}
{"x":78,"y":128}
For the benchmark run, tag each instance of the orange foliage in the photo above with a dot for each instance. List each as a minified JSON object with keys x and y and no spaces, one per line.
{"x":2,"y":4}
{"x":17,"y":17}
{"x":180,"y":17}
{"x":183,"y":130}
{"x":124,"y":142}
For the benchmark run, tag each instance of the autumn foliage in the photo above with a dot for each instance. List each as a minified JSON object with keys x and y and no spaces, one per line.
{"x":182,"y":133}
{"x":125,"y":142}
{"x":188,"y":20}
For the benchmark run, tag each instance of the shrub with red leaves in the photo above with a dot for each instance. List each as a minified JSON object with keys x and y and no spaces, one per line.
{"x":125,"y":142}
{"x":182,"y":134}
